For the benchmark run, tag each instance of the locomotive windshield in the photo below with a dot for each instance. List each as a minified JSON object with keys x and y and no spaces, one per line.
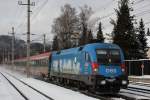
{"x":108,"y":56}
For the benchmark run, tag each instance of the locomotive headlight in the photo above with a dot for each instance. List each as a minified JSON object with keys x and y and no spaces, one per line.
{"x":95,"y":69}
{"x":124,"y":82}
{"x":95,"y":66}
{"x":103,"y":82}
{"x":123,"y":70}
{"x":123,"y":67}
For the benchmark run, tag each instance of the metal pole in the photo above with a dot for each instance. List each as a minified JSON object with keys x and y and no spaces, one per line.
{"x":142,"y":72}
{"x":3,"y":55}
{"x":28,"y":34}
{"x":142,"y":68}
{"x":28,"y":40}
{"x":8,"y":57}
{"x":129,"y":68}
{"x":12,"y":53}
{"x":44,"y":43}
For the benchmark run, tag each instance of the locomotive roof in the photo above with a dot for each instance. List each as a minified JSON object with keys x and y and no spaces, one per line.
{"x":88,"y":47}
{"x":102,"y":45}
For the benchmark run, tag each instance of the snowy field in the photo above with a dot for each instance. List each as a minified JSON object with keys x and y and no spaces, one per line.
{"x":7,"y":92}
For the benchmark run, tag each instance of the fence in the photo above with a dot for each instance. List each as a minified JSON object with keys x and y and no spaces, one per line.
{"x":138,"y":67}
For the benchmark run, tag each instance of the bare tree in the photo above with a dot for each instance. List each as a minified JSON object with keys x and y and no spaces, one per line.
{"x":84,"y":17}
{"x":65,"y":25}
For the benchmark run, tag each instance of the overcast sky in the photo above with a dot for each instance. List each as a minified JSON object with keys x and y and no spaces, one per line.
{"x":45,"y":11}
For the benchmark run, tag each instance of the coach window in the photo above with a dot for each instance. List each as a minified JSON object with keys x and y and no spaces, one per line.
{"x":42,"y":62}
{"x":87,"y":57}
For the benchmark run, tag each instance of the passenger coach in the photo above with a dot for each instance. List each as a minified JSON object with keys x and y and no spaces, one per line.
{"x":38,"y":64}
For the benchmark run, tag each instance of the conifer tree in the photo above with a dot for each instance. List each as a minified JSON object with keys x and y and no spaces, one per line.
{"x":148,"y":32}
{"x":100,"y":37}
{"x":142,"y":39}
{"x":90,"y":37}
{"x":124,"y":31}
{"x":55,"y":45}
{"x":83,"y":37}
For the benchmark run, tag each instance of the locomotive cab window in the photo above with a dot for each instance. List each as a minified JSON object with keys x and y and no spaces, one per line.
{"x":108,"y":56}
{"x":115,"y":56}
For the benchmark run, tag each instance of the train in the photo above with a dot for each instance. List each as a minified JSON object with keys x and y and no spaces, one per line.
{"x":38,"y":64}
{"x":96,"y":67}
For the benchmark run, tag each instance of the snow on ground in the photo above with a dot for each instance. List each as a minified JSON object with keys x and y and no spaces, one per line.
{"x":139,"y":86}
{"x":7,"y":92}
{"x":54,"y":91}
{"x":133,"y":94}
{"x":58,"y":93}
{"x":26,"y":90}
{"x":141,"y":77}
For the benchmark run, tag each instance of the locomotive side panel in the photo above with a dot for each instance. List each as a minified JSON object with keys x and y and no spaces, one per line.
{"x":66,"y":63}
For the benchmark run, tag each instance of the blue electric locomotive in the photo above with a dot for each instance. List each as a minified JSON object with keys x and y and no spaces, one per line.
{"x":98,"y":66}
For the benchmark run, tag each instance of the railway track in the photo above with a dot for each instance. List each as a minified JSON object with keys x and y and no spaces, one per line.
{"x":97,"y":95}
{"x":109,"y":97}
{"x":146,"y":91}
{"x":122,"y":95}
{"x":137,"y":93}
{"x":21,"y":92}
{"x":142,"y":84}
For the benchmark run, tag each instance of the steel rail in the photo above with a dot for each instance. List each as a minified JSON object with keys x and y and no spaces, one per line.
{"x":31,"y":87}
{"x":26,"y":98}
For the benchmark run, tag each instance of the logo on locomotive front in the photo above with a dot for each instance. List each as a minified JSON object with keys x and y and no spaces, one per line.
{"x":111,"y":70}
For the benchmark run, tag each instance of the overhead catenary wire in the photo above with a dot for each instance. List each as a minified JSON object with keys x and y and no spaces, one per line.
{"x":138,"y":2}
{"x":142,"y":12}
{"x":110,"y":14}
{"x":136,"y":15}
{"x":41,"y":6}
{"x":22,"y":17}
{"x":141,"y":7}
{"x":23,"y":22}
{"x":33,"y":17}
{"x":147,"y":23}
{"x":106,"y":6}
